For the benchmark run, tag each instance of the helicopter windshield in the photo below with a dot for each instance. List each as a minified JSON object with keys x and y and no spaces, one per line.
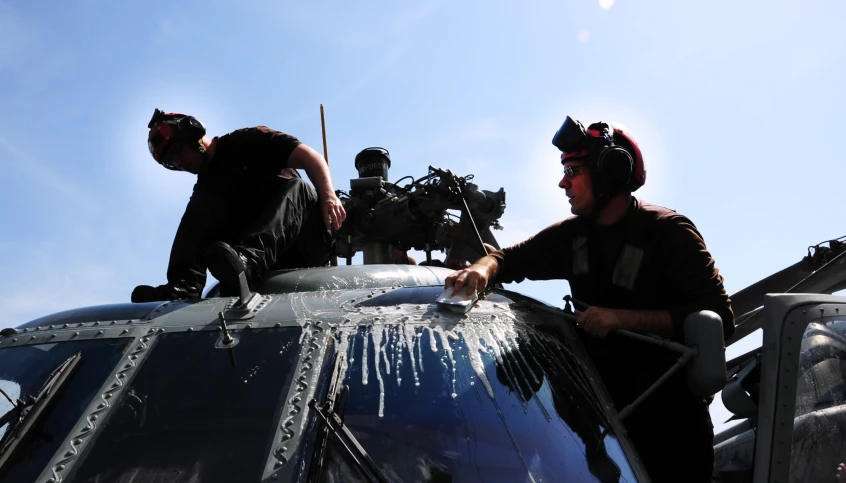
{"x":24,"y":370}
{"x":189,"y":415}
{"x":468,"y":402}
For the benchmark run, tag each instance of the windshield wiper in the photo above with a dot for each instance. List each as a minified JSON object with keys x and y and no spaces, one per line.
{"x":335,"y":424}
{"x":25,"y":413}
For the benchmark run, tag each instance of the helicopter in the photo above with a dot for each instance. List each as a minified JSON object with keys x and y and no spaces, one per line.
{"x":354,"y":372}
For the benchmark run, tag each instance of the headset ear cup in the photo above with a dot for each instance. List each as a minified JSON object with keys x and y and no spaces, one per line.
{"x":192,"y":128}
{"x":615,"y":168}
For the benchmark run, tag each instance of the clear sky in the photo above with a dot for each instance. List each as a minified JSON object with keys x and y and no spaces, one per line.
{"x":737,"y":106}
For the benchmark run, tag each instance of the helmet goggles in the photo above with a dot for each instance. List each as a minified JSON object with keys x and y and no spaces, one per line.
{"x":575,"y":141}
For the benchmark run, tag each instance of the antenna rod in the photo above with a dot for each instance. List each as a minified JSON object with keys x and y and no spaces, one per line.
{"x":323,"y":127}
{"x":334,"y":260}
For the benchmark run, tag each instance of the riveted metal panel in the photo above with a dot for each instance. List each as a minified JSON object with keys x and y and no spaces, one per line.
{"x":106,"y":313}
{"x":62,"y":463}
{"x":287,"y":440}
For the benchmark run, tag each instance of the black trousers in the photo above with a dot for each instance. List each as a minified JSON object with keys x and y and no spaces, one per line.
{"x":675,"y":442}
{"x":284,"y":230}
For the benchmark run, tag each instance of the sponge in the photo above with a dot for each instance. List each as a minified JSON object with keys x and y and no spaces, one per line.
{"x":456,"y":302}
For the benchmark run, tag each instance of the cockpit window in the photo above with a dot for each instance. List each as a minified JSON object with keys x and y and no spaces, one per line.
{"x":471,"y":403}
{"x":190,"y":415}
{"x":822,"y":366}
{"x":818,"y":444}
{"x":25,"y":369}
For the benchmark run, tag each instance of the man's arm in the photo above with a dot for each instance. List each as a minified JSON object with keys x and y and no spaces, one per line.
{"x":541,"y":257}
{"x":317,"y":170}
{"x":695,"y":278}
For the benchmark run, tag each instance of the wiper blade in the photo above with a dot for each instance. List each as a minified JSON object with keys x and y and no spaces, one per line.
{"x":27,"y":412}
{"x":335,"y":424}
{"x":350,"y":443}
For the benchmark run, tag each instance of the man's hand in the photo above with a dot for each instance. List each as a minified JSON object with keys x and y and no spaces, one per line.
{"x":306,"y":158}
{"x":472,"y":279}
{"x":598,"y":321}
{"x":333,"y":211}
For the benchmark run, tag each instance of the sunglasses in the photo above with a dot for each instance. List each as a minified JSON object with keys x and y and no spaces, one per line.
{"x":573,"y":171}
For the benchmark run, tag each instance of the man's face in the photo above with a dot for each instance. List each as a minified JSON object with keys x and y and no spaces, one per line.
{"x":576,"y":184}
{"x":184,"y":158}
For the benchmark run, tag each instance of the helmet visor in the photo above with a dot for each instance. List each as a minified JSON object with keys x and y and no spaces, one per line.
{"x":570,"y":136}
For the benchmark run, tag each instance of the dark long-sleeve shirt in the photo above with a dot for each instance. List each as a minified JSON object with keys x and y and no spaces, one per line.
{"x":653,"y":259}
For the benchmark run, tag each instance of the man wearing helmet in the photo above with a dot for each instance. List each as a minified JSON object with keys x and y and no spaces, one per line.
{"x":250,"y":210}
{"x":637,"y":266}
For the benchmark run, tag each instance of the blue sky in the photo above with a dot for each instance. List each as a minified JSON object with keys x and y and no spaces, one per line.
{"x":737,"y":107}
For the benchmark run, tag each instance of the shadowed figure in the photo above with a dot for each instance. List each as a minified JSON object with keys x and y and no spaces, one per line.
{"x":524,"y":372}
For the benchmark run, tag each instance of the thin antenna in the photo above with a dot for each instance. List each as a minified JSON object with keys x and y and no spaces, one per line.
{"x":323,"y":127}
{"x":334,"y":260}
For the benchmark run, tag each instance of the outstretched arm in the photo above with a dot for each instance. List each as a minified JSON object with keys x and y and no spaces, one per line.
{"x":541,"y":257}
{"x":317,"y":169}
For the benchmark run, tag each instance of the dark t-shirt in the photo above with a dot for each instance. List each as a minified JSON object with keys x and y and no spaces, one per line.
{"x":654,"y":259}
{"x":248,"y":167}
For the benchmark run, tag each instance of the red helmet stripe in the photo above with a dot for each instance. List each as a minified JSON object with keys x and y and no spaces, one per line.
{"x":574,"y":154}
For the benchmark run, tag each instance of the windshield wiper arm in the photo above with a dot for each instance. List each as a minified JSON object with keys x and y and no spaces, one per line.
{"x":335,"y":424}
{"x":28,"y":411}
{"x":350,"y":443}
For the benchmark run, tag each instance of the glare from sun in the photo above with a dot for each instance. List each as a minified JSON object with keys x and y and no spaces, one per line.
{"x":584,"y":35}
{"x":606,"y":4}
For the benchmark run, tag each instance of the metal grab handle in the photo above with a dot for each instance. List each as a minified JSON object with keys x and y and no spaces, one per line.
{"x":648,"y":338}
{"x":687,"y":353}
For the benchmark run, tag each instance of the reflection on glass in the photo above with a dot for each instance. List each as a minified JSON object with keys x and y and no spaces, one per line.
{"x":471,"y":402}
{"x":25,"y":369}
{"x":12,"y":390}
{"x":188,"y":415}
{"x":822,"y":362}
{"x":819,"y":429}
